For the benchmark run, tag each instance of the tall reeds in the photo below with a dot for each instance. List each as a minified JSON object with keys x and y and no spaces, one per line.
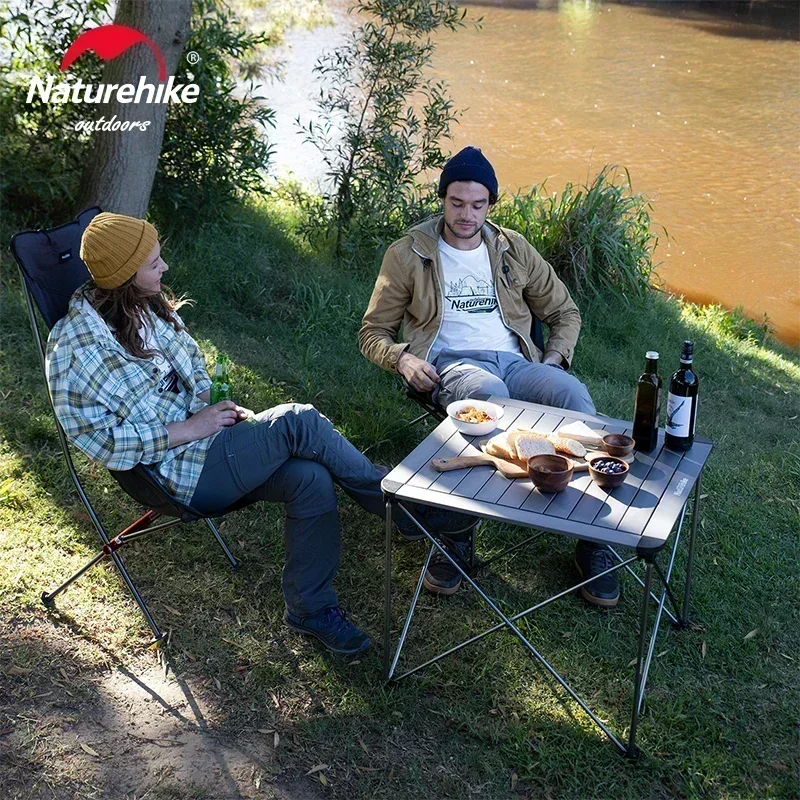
{"x":597,"y":237}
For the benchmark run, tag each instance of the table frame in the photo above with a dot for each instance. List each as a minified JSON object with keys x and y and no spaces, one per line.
{"x":397,"y":498}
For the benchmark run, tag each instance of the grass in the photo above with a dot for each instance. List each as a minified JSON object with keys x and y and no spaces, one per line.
{"x":723,"y":708}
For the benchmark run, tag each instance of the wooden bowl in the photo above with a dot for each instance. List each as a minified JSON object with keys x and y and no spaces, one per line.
{"x":618,"y":444}
{"x":604,"y":480}
{"x":550,"y":473}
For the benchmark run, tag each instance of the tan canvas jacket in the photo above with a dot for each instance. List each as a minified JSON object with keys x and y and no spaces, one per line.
{"x":408,"y":292}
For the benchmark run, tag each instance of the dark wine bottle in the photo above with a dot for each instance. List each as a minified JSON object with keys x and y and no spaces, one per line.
{"x":682,"y":403}
{"x":647,"y":404}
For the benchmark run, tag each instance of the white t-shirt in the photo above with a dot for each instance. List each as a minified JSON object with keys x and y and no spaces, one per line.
{"x":471,"y":317}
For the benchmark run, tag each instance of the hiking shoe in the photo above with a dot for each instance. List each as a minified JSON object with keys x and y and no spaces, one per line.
{"x":442,"y":577}
{"x":332,"y":628}
{"x":592,"y":559}
{"x":436,"y":520}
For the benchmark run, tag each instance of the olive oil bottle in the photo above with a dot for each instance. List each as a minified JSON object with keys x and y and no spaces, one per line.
{"x":647,"y":404}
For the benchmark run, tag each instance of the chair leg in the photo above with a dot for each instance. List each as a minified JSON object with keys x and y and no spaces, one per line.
{"x":234,"y":562}
{"x":138,"y":528}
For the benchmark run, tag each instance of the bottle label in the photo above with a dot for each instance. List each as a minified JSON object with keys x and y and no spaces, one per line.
{"x":679,"y":415}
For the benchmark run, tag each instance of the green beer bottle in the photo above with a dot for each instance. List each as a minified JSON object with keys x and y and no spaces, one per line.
{"x":221,"y":385}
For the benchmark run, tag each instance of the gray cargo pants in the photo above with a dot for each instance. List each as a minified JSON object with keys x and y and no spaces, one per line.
{"x":291,"y":454}
{"x":471,"y":372}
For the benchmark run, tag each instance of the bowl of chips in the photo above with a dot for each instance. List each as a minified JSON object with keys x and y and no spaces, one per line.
{"x":474,"y":417}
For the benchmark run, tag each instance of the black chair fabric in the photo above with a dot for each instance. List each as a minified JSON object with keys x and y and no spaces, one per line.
{"x":51,"y":264}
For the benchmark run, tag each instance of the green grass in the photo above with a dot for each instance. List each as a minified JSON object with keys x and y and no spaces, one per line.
{"x":723,"y":710}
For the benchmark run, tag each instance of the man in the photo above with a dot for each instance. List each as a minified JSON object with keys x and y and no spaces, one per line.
{"x":465,"y":290}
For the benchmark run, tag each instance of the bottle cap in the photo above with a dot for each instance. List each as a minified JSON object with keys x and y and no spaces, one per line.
{"x":651,"y":355}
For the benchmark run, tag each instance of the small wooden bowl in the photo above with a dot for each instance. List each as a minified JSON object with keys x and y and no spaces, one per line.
{"x":550,"y":473}
{"x":602,"y":479}
{"x":618,"y":444}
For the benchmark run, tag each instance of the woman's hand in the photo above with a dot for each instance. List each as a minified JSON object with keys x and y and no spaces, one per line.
{"x":244,"y":413}
{"x":205,"y":422}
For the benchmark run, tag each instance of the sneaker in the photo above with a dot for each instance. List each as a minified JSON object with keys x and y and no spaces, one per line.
{"x":592,"y":559}
{"x":332,"y":628}
{"x":442,"y":577}
{"x":436,"y":520}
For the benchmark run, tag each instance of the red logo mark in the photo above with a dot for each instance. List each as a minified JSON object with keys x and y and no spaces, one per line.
{"x":110,"y":41}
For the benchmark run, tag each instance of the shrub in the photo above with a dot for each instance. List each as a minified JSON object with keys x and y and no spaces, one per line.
{"x":41,"y":155}
{"x":213,"y":149}
{"x":597,"y":237}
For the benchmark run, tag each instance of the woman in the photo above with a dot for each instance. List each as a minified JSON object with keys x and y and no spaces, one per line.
{"x":129,"y":385}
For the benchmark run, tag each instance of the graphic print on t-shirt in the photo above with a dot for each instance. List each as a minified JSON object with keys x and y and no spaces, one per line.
{"x":168,"y":383}
{"x":471,"y":295}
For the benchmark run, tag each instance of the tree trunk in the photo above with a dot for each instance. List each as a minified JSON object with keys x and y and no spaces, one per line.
{"x":121,"y":165}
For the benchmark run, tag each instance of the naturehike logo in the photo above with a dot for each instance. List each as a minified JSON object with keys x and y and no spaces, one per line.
{"x":472,"y":296}
{"x":109,"y":42}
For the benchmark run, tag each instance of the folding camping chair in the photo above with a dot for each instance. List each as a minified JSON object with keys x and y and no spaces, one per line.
{"x":52,"y":270}
{"x":425,"y":399}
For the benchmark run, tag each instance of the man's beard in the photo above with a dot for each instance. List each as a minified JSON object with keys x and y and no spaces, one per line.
{"x":460,"y":234}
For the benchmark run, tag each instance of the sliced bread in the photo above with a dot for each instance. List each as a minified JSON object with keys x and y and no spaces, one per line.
{"x":570,"y":447}
{"x":528,"y":444}
{"x":513,"y":436}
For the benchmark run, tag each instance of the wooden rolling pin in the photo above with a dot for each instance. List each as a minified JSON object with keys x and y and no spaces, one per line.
{"x":505,"y":468}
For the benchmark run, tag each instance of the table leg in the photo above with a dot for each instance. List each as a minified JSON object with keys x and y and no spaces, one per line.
{"x":690,"y":562}
{"x":387,"y":618}
{"x":638,"y":690}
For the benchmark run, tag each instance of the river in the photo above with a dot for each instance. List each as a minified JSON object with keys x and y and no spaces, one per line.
{"x":701,"y":103}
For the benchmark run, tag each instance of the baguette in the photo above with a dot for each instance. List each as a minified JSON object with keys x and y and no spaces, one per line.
{"x":570,"y":447}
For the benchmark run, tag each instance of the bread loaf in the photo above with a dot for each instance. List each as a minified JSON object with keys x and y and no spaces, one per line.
{"x":569,"y":447}
{"x":514,"y":436}
{"x":500,"y":447}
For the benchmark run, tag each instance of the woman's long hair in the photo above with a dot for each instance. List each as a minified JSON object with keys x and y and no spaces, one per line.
{"x":125,"y":310}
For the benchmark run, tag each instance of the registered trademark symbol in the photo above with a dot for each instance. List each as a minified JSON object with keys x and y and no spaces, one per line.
{"x":192,"y":57}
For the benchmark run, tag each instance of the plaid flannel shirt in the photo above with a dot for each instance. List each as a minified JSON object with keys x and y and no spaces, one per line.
{"x":106,"y":399}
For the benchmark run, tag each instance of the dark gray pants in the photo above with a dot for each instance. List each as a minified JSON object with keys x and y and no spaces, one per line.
{"x":291,"y":454}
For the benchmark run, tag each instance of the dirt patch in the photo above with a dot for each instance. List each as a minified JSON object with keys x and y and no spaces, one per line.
{"x":72,"y":726}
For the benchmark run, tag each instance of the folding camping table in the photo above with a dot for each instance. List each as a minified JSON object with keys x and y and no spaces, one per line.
{"x":641,"y":516}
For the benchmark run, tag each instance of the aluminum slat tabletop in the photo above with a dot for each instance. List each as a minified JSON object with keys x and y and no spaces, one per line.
{"x":639,"y":514}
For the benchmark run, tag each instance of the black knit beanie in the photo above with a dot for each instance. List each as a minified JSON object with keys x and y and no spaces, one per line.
{"x":469,"y":165}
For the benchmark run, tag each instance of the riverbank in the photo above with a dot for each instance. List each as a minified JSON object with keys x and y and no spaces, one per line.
{"x":247,"y":709}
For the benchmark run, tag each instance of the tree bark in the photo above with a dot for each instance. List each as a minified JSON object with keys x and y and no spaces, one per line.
{"x":121,"y":166}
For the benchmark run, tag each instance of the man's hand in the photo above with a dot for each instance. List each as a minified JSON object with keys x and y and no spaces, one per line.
{"x":419,"y":373}
{"x":553,"y":358}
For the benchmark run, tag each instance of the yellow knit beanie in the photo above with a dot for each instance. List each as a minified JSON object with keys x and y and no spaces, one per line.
{"x":114,"y":246}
